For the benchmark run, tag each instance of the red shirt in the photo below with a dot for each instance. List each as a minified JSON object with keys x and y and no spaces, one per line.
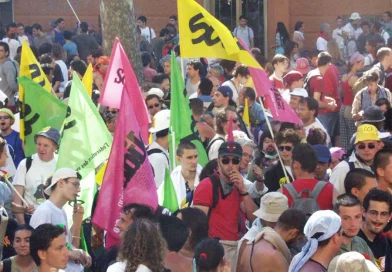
{"x":223,"y":221}
{"x":331,"y":78}
{"x":325,"y":197}
{"x":277,"y":83}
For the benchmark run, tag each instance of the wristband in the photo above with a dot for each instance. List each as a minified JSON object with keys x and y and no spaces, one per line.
{"x":244,"y":194}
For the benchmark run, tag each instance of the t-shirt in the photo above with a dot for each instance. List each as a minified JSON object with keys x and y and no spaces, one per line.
{"x":322,"y":44}
{"x":381,"y":250}
{"x":35,"y":178}
{"x":57,"y":75}
{"x":313,"y":266}
{"x":85,"y":44}
{"x":13,"y":44}
{"x":15,"y":147}
{"x":233,"y":88}
{"x":15,"y":267}
{"x":214,"y":146}
{"x":331,"y":79}
{"x":277,"y":83}
{"x":159,"y":162}
{"x":71,"y":50}
{"x":148,"y":33}
{"x":245,"y":34}
{"x":191,"y":88}
{"x":48,"y":213}
{"x":325,"y":197}
{"x":223,"y":221}
{"x":149,"y":73}
{"x":120,"y":266}
{"x":59,"y":37}
{"x":64,"y":71}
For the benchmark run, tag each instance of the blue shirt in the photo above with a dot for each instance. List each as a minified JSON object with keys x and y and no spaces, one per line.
{"x":15,"y":146}
{"x":257,"y":111}
{"x":71,"y":49}
{"x":59,"y":37}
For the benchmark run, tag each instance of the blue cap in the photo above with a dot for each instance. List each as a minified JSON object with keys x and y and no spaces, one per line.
{"x":323,"y":153}
{"x":226,"y":91}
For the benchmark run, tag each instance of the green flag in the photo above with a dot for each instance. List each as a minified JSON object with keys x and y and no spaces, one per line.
{"x":85,"y":142}
{"x":42,"y":109}
{"x":182,"y":126}
{"x":169,"y":194}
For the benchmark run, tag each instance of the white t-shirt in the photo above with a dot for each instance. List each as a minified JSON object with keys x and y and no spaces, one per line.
{"x":230,"y":84}
{"x":64,"y":71}
{"x":48,"y":213}
{"x":214,"y":148}
{"x":337,"y":36}
{"x":159,"y":162}
{"x":317,"y":124}
{"x":120,"y":267}
{"x":23,"y":38}
{"x":13,"y":44}
{"x":322,"y":44}
{"x":35,"y":178}
{"x":146,"y":33}
{"x":191,"y":88}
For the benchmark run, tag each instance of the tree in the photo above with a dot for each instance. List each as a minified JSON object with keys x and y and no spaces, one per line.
{"x":118,"y":20}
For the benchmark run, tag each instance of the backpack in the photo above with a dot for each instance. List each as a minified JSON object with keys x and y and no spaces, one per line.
{"x":29,"y":161}
{"x":7,"y":265}
{"x":214,"y":178}
{"x":247,"y":28}
{"x":306,"y":205}
{"x":212,"y":142}
{"x":155,"y":151}
{"x":309,"y":76}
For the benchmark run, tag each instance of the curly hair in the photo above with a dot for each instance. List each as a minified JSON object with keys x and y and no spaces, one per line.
{"x":143,"y":244}
{"x":316,"y":136}
{"x":287,"y":136}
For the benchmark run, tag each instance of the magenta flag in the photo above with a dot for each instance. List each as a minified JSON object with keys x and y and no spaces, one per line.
{"x":273,"y":100}
{"x":120,"y":76}
{"x":128,"y":177}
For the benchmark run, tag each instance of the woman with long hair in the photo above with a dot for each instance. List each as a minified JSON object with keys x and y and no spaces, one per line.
{"x":282,"y":36}
{"x":347,"y":124}
{"x":298,"y":35}
{"x":291,"y":52}
{"x":143,"y":249}
{"x":334,"y":51}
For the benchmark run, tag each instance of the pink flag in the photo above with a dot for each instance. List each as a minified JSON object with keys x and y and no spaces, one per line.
{"x":273,"y":100}
{"x":121,"y":76}
{"x":128,"y":177}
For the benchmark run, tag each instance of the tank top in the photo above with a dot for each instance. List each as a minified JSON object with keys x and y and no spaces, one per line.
{"x":348,"y":93}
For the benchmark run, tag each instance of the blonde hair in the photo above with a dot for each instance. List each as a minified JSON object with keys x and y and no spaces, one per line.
{"x":333,"y":49}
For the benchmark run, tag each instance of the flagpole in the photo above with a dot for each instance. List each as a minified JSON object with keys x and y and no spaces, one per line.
{"x":16,"y":192}
{"x":273,"y":138}
{"x":182,"y":69}
{"x":173,"y":135}
{"x":77,"y":18}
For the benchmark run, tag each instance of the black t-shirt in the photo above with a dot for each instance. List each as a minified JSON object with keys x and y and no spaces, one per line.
{"x":381,"y":251}
{"x":57,"y":75}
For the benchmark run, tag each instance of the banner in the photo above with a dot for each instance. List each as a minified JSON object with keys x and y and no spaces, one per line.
{"x":207,"y":37}
{"x":182,"y":125}
{"x":120,"y":76}
{"x":88,"y":80}
{"x":167,"y":195}
{"x":42,"y":109}
{"x":128,"y":177}
{"x":245,"y":117}
{"x":29,"y":67}
{"x":85,"y":141}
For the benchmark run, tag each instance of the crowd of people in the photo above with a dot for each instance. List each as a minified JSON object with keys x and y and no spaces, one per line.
{"x":274,"y":196}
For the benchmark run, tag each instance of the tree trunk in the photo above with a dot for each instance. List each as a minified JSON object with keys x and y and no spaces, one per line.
{"x":118,"y":20}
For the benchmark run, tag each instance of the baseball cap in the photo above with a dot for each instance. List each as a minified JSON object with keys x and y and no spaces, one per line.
{"x":354,"y":16}
{"x":373,"y":114}
{"x":156,"y":91}
{"x":160,"y":121}
{"x":351,"y":261}
{"x":61,"y":173}
{"x":9,"y":112}
{"x":303,"y":66}
{"x":50,"y":133}
{"x":292,"y":76}
{"x":272,"y":205}
{"x":230,"y":149}
{"x":299,"y":92}
{"x":226,"y":91}
{"x":323,"y":154}
{"x":367,"y":132}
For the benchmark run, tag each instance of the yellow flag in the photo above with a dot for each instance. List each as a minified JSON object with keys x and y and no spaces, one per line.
{"x":88,"y":80}
{"x":245,"y":117}
{"x":101,"y":173}
{"x":205,"y":36}
{"x":30,"y":67}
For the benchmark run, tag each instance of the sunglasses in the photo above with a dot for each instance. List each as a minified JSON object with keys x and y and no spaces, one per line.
{"x":156,"y":105}
{"x":370,"y":146}
{"x":4,"y":117}
{"x":285,"y":147}
{"x":235,"y":161}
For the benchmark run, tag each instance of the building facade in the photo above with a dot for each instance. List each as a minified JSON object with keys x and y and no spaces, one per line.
{"x":263,"y":14}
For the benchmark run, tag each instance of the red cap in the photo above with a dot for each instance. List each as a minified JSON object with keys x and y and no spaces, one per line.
{"x":303,"y":66}
{"x":291,"y":77}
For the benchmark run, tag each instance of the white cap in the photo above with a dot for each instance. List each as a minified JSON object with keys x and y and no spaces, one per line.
{"x":351,"y":261}
{"x":160,"y":121}
{"x":238,"y":134}
{"x":355,"y":16}
{"x":156,"y":91}
{"x":61,"y":173}
{"x":299,"y":92}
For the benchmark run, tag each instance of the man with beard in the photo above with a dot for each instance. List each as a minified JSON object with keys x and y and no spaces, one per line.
{"x":348,"y":207}
{"x":268,"y":154}
{"x":22,"y":261}
{"x":270,"y":249}
{"x":164,"y":84}
{"x":377,"y":208}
